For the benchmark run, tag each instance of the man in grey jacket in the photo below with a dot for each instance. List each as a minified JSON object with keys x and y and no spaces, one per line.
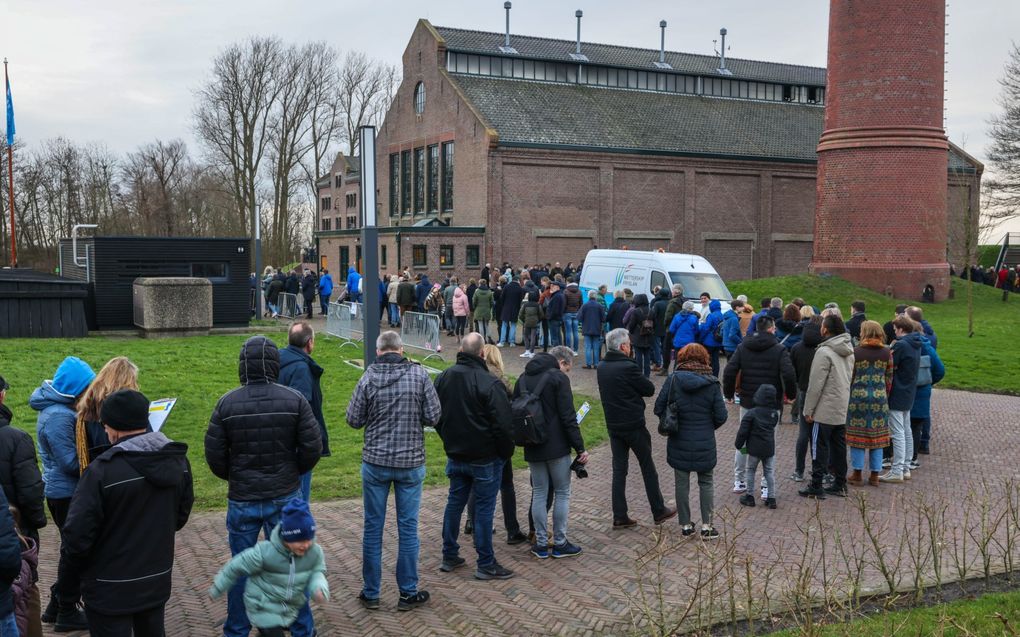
{"x":393,"y":402}
{"x":825,"y":407}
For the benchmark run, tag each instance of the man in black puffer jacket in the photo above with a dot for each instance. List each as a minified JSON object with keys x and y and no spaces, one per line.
{"x":623,"y":390}
{"x":10,"y":568}
{"x":802,"y":354}
{"x":262,"y":436}
{"x":759,"y":360}
{"x":19,"y":471}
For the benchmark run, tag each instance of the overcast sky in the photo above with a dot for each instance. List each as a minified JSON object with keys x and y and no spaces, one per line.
{"x":123,"y":72}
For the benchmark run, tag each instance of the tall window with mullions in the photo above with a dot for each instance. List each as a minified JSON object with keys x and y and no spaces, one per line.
{"x":448,"y":177}
{"x":394,"y":184}
{"x":433,"y":179}
{"x":419,"y":180}
{"x":405,"y":182}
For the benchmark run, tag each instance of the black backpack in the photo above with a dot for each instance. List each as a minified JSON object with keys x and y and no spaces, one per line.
{"x":647,"y":326}
{"x":528,"y":417}
{"x":717,"y":334}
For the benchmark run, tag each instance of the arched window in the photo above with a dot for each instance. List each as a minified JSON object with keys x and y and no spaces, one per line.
{"x":419,"y":98}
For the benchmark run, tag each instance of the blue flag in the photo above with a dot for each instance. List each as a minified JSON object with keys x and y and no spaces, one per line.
{"x":10,"y":111}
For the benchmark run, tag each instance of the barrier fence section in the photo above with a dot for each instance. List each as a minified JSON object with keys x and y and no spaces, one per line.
{"x":346,"y":322}
{"x":287,"y":305}
{"x":421,"y":331}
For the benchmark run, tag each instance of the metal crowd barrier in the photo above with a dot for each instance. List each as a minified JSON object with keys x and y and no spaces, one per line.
{"x":421,"y":331}
{"x":288,"y":305}
{"x":346,"y":321}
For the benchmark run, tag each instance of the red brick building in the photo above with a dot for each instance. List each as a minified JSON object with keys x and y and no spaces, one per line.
{"x":534,"y":153}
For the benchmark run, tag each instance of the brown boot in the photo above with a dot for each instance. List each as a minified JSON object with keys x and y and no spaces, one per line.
{"x":873,"y":479}
{"x":855,"y":478}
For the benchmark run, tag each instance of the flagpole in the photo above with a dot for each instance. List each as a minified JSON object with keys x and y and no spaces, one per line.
{"x":10,"y":190}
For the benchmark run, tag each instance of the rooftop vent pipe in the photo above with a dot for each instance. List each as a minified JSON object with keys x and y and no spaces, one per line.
{"x":506,"y":48}
{"x":577,"y":55}
{"x":662,"y":42}
{"x":722,"y":53}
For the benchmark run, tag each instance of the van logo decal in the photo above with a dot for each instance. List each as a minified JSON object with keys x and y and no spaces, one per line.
{"x":621,"y":273}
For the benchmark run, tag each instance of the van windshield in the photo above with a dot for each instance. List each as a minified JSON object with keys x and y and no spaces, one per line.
{"x":697,"y":282}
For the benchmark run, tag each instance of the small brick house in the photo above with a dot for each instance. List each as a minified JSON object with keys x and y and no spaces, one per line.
{"x":533,"y":153}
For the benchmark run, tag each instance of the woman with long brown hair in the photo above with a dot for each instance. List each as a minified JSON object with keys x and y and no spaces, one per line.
{"x":867,"y":429}
{"x":89,"y":435}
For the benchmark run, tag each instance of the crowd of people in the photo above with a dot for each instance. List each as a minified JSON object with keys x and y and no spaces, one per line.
{"x":117,"y":491}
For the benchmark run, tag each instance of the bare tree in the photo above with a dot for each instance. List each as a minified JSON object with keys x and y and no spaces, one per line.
{"x":366,"y":90}
{"x":1004,"y":154}
{"x":233,"y":114}
{"x":156,"y":174}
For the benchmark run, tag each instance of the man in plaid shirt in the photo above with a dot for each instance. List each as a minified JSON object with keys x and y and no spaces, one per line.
{"x":393,"y":401}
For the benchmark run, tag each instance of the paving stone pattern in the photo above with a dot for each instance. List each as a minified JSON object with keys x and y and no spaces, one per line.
{"x":584,"y":595}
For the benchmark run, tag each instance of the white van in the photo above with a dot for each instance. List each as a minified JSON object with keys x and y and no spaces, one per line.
{"x":641,"y":271}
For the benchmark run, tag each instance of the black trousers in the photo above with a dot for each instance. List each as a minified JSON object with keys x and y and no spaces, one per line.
{"x":272,"y":632}
{"x":67,"y":587}
{"x":507,"y":497}
{"x":640,"y":442}
{"x":146,"y":623}
{"x":829,"y":451}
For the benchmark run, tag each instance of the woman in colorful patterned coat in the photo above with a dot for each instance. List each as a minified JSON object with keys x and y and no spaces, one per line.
{"x":867,"y":431}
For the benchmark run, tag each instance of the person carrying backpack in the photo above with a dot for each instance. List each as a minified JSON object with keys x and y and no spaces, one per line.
{"x":710,"y":333}
{"x":641,"y":326}
{"x":545,"y":383}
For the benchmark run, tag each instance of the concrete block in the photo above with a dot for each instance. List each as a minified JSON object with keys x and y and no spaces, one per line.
{"x":173,"y":306}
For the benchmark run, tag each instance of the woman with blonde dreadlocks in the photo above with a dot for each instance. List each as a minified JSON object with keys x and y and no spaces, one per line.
{"x":90,"y":437}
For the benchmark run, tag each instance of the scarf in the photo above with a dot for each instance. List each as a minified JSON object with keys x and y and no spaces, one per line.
{"x":694,"y":367}
{"x":872,"y":342}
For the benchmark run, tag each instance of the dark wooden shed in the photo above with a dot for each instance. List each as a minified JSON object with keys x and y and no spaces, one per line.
{"x":39,"y":305}
{"x":109,"y":265}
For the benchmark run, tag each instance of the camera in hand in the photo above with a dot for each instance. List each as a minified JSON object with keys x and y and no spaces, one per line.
{"x":578,"y":469}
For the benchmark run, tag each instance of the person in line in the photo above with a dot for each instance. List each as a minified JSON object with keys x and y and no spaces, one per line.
{"x":299,"y":371}
{"x":461,"y":310}
{"x":353,"y":285}
{"x":273,"y":291}
{"x":745,"y":314}
{"x":482,"y":303}
{"x":906,"y":358}
{"x":916,"y":314}
{"x":692,"y":391}
{"x":55,"y":401}
{"x":530,"y":315}
{"x":555,"y":306}
{"x":641,"y":329}
{"x":857,"y":317}
{"x":279,"y":573}
{"x":867,"y":428}
{"x":759,"y":360}
{"x":930,"y":371}
{"x":550,"y":461}
{"x":673,"y":307}
{"x":308,"y":287}
{"x":513,"y":297}
{"x":122,"y":521}
{"x":890,"y":331}
{"x":477,"y":437}
{"x":802,"y":355}
{"x":19,"y":471}
{"x":10,"y":568}
{"x":391,"y":298}
{"x":658,"y":309}
{"x":393,"y":401}
{"x":261,"y":438}
{"x":592,"y":318}
{"x":325,"y":291}
{"x":405,"y":296}
{"x":756,"y":439}
{"x":731,"y":332}
{"x":623,"y":389}
{"x":710,"y":334}
{"x":89,"y":434}
{"x":825,"y":407}
{"x":684,"y":327}
{"x":572,"y":305}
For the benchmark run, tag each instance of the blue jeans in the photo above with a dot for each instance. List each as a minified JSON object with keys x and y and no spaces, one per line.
{"x":8,"y":625}
{"x":394,"y":314}
{"x":306,"y":486}
{"x":570,"y":327}
{"x":244,"y":521}
{"x":858,"y":456}
{"x":375,"y":489}
{"x":324,"y":303}
{"x":657,"y":350}
{"x":551,"y":475}
{"x":354,"y":297}
{"x":555,"y":332}
{"x":592,"y":348}
{"x":643,"y":356}
{"x":508,"y":333}
{"x":483,"y":477}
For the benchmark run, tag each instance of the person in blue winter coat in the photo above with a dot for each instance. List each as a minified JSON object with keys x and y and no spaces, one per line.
{"x":592,"y":317}
{"x":906,"y":355}
{"x":353,"y":285}
{"x":920,"y":412}
{"x":55,"y":401}
{"x":916,"y":314}
{"x":684,"y":326}
{"x":706,"y":334}
{"x":731,"y":334}
{"x":325,"y":291}
{"x":421,"y":292}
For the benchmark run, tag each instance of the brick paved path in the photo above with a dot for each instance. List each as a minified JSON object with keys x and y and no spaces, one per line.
{"x":583,"y":595}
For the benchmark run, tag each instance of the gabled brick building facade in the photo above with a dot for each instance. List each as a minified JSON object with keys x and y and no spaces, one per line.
{"x":528,"y":154}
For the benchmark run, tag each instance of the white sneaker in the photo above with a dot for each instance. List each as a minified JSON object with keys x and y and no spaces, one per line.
{"x":524,"y":354}
{"x":500,"y":344}
{"x":764,"y":492}
{"x":891,"y":477}
{"x":739,"y":487}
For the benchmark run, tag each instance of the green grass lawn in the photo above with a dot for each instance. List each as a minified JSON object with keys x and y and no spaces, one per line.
{"x":974,"y":616}
{"x":197,"y":371}
{"x":985,"y":362}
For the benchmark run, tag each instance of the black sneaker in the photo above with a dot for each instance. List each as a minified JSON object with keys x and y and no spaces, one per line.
{"x":839,"y":492}
{"x":709,"y":534}
{"x":747,"y":500}
{"x":687,"y":530}
{"x":812,"y":492}
{"x":770,"y":503}
{"x":407,"y":602}
{"x":516,"y":538}
{"x":370,"y":604}
{"x":70,"y":620}
{"x":493,"y":571}
{"x":50,"y":614}
{"x":451,"y":563}
{"x":565,"y":550}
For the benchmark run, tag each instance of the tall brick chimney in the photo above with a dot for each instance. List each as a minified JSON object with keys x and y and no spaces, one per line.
{"x":880,"y":218}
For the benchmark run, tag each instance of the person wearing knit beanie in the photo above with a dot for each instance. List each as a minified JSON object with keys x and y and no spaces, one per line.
{"x":73,"y":377}
{"x":296,"y":523}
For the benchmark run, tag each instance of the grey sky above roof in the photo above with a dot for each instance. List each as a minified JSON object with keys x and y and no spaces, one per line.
{"x":610,"y":54}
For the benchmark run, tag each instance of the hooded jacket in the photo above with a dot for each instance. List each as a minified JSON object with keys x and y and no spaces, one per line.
{"x":461,"y":307}
{"x":406,"y":296}
{"x":832,"y":372}
{"x":700,"y":411}
{"x":482,"y":303}
{"x":393,"y":400}
{"x":706,"y":331}
{"x":637,"y":315}
{"x":616,"y":311}
{"x":55,"y":434}
{"x":421,"y":292}
{"x":531,"y":314}
{"x":562,"y":432}
{"x":326,"y":285}
{"x":759,"y":360}
{"x":659,"y":304}
{"x":758,"y":426}
{"x":299,"y":371}
{"x":731,"y":334}
{"x":906,"y":356}
{"x":475,"y":422}
{"x":308,"y":286}
{"x":120,"y":528}
{"x":353,"y":281}
{"x":684,"y":329}
{"x":19,"y":473}
{"x":277,"y":580}
{"x":262,"y":436}
{"x":804,"y":352}
{"x":572,"y":298}
{"x":922,"y":399}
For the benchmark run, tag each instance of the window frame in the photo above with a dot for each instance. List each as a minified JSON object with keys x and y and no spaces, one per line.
{"x":477,"y":249}
{"x":446,"y":255}
{"x":423,"y":249}
{"x":447,"y":158}
{"x":419,"y":98}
